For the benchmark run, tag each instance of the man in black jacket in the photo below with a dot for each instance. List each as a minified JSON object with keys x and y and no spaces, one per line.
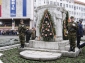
{"x":28,"y":35}
{"x":79,"y":32}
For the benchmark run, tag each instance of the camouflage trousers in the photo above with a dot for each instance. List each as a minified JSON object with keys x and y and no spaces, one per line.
{"x":72,"y":41}
{"x":22,"y":38}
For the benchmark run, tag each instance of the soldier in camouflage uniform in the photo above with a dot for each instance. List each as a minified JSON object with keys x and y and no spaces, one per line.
{"x":72,"y":29}
{"x":21,"y":30}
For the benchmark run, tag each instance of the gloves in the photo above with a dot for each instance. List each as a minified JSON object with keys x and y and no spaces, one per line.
{"x":66,"y":32}
{"x":22,"y":25}
{"x":73,"y":25}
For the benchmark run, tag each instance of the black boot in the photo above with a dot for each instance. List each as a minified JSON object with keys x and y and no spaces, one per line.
{"x":79,"y":47}
{"x":70,"y":49}
{"x":22,"y":45}
{"x":73,"y":49}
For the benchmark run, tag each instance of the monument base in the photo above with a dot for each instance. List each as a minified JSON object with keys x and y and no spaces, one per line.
{"x":60,"y":45}
{"x":44,"y":49}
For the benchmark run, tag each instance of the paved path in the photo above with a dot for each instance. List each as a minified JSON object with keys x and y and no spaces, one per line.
{"x":8,"y":37}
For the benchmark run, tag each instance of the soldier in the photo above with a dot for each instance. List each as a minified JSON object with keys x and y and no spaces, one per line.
{"x":21,"y":30}
{"x":72,"y":30}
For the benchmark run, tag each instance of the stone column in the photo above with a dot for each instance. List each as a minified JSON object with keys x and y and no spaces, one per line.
{"x":58,"y":30}
{"x":13,"y":24}
{"x":32,"y":14}
{"x":31,"y":24}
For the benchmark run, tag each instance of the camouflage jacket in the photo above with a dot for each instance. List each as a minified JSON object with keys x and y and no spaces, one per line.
{"x":21,"y":28}
{"x":72,"y":28}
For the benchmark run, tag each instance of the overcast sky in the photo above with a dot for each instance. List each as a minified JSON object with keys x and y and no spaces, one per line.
{"x":82,"y":0}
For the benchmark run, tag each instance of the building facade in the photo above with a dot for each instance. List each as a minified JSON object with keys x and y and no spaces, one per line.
{"x":74,"y":7}
{"x":24,"y":9}
{"x":11,"y":11}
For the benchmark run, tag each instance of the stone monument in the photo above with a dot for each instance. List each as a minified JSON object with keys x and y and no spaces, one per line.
{"x":49,"y":49}
{"x":58,"y":15}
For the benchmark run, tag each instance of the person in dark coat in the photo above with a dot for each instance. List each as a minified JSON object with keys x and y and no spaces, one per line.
{"x":28,"y":35}
{"x":33,"y":35}
{"x":79,"y":32}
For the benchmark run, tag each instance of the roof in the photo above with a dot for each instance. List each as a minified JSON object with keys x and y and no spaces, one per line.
{"x":79,"y":2}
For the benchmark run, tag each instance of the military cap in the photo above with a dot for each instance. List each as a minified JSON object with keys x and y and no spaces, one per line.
{"x":71,"y":17}
{"x":21,"y":20}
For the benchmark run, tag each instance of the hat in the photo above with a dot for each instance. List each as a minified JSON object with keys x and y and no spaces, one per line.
{"x":80,"y":20}
{"x":71,"y":17}
{"x":21,"y":20}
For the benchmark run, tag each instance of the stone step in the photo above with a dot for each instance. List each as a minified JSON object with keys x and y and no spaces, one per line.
{"x":40,"y":55}
{"x":64,"y":53}
{"x":71,"y":54}
{"x":68,"y":46}
{"x":1,"y":61}
{"x":39,"y":49}
{"x":1,"y":54}
{"x":26,"y":44}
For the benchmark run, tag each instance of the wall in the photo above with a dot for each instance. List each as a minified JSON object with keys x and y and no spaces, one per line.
{"x":19,"y":9}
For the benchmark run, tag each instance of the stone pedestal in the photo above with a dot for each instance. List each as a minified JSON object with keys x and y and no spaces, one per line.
{"x":48,"y":45}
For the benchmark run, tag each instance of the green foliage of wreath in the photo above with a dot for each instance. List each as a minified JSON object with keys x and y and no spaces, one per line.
{"x":47,"y":27}
{"x":65,"y":23}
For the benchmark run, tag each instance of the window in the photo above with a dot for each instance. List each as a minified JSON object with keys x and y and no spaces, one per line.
{"x":44,"y":1}
{"x":84,"y":9}
{"x":74,"y":7}
{"x":69,"y":1}
{"x":72,"y":1}
{"x":35,"y":0}
{"x":47,"y":2}
{"x":82,"y":14}
{"x":75,"y":18}
{"x":79,"y":8}
{"x":54,"y":3}
{"x":61,"y":4}
{"x":69,"y":6}
{"x":58,"y":4}
{"x":51,"y":2}
{"x":77,"y":13}
{"x":66,"y":5}
{"x":72,"y":12}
